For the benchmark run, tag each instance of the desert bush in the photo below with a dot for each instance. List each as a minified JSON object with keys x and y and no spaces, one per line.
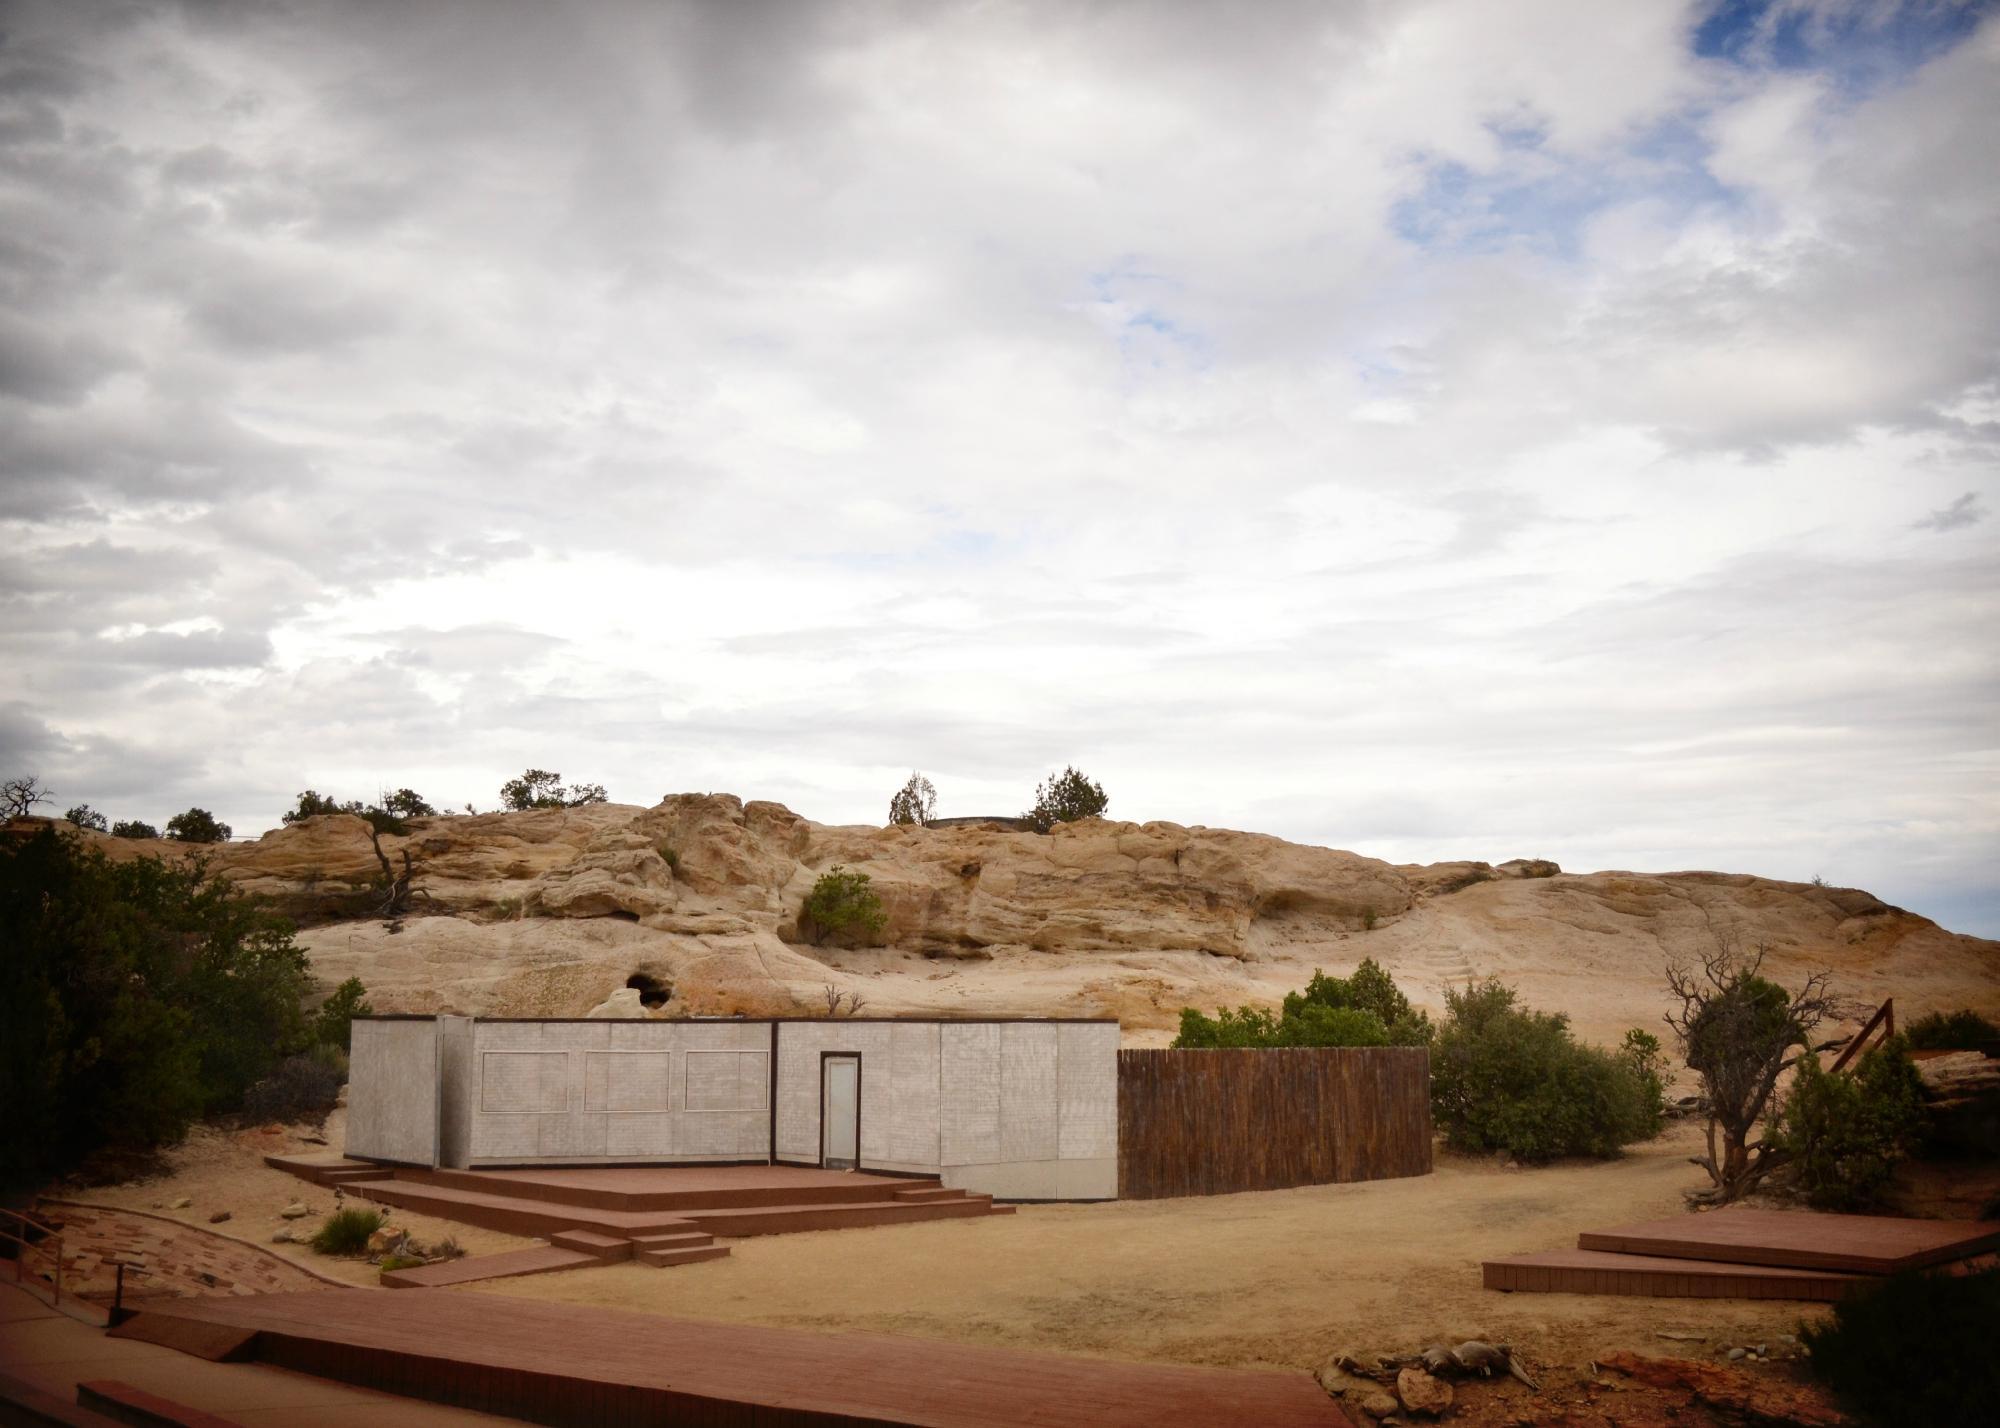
{"x":197,"y":825}
{"x":312,"y":804}
{"x":538,"y":788}
{"x":1504,"y":1077}
{"x":333,"y":1024}
{"x":133,"y":828}
{"x":1963,"y":1030}
{"x":1741,"y":1033}
{"x":1845,"y":1135}
{"x":134,"y":997}
{"x":347,"y":1231}
{"x":84,"y":816}
{"x":1641,"y":1050}
{"x":1869,"y":1351}
{"x":299,"y":1088}
{"x":842,"y":905}
{"x":1064,"y":798}
{"x":1366,"y":1009}
{"x":672,"y":857}
{"x":18,"y":796}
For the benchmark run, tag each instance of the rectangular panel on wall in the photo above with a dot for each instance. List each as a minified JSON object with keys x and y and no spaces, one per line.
{"x":1028,"y":1091}
{"x":969,"y":1082}
{"x":523,"y":1082}
{"x":392,"y":1093}
{"x":910,"y":1136}
{"x":1087,"y":1078}
{"x":627,"y":1081}
{"x":728,"y":1081}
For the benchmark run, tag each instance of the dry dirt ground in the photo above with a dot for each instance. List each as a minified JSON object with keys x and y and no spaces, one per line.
{"x":1285,"y":1278}
{"x":218,"y":1169}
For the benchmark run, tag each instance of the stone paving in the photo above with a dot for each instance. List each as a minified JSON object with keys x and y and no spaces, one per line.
{"x":177,"y":1259}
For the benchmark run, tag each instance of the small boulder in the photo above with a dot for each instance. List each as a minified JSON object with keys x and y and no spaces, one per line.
{"x":294,"y":1211}
{"x":1335,"y":1379}
{"x":1423,"y":1395}
{"x":1378,"y":1403}
{"x":218,"y":1217}
{"x":181,"y":1204}
{"x":384,"y":1240}
{"x":283,"y":1237}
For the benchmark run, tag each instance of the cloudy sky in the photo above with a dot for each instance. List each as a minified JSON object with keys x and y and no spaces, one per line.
{"x":1434,"y":429}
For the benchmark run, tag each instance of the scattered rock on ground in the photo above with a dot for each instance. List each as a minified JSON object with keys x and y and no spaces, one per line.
{"x":1729,"y":1391}
{"x":181,"y":1204}
{"x":218,"y":1217}
{"x":294,"y":1211}
{"x":1377,"y":1403}
{"x":1422,"y":1394}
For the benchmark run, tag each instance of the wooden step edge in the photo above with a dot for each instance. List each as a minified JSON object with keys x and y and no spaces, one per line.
{"x":128,"y":1403}
{"x":667,"y":1258}
{"x":691,"y":1239}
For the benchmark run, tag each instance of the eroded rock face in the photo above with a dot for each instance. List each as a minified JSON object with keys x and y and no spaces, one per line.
{"x":548,"y":912}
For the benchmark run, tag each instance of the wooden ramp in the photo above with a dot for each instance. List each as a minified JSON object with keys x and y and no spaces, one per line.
{"x":1581,"y":1271}
{"x":1744,"y":1254}
{"x":565,"y":1365}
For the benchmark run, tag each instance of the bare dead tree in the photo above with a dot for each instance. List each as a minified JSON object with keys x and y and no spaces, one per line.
{"x":835,"y":997}
{"x":395,"y":887}
{"x":1740,"y":1034}
{"x":18,"y":796}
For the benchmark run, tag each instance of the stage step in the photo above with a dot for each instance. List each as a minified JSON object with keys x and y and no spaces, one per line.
{"x":510,"y":1264}
{"x":1653,"y":1276}
{"x":689,"y":1239}
{"x":791,"y":1219}
{"x":616,"y":1188}
{"x":546,"y":1218}
{"x":326,"y":1168}
{"x":667,"y":1258}
{"x":922,"y":1193}
{"x":608,"y":1248}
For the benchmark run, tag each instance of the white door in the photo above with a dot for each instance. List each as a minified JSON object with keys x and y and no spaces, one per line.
{"x":840,"y":1112}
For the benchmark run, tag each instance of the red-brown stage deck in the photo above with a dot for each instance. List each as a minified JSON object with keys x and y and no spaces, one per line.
{"x":1653,"y":1276}
{"x":562,"y":1365}
{"x":1800,"y":1239}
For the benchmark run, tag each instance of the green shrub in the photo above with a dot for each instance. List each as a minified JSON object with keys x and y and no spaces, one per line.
{"x":1917,"y":1349}
{"x":134,"y":998}
{"x":672,"y":856}
{"x":333,"y":1025}
{"x":347,"y":1231}
{"x":1064,"y":798}
{"x":842,"y":905}
{"x":391,"y":1262}
{"x":1963,"y":1030}
{"x":1845,"y":1135}
{"x":1507,"y":1078}
{"x":299,"y":1088}
{"x":1366,"y":1009}
{"x":197,"y":825}
{"x":133,"y":828}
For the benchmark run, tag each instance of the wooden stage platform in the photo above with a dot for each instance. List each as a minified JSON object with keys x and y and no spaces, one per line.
{"x":1741,"y":1253}
{"x":565,"y":1365}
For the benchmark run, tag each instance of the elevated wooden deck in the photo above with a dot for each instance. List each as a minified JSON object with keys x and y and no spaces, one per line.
{"x":1801,"y":1239}
{"x":1744,"y":1254}
{"x":564,"y":1365}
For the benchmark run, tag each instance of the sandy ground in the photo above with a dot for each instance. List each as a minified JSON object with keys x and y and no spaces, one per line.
{"x":221,"y":1169}
{"x":1284,"y":1278}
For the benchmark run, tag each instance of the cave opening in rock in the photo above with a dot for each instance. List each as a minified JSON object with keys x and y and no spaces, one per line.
{"x":652,"y":991}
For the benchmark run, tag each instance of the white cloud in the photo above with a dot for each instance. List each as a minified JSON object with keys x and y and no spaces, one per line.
{"x":1442,"y":429}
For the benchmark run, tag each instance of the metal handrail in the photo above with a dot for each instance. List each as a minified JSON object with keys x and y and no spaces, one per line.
{"x":49,"y":1233}
{"x":1885,"y":1017}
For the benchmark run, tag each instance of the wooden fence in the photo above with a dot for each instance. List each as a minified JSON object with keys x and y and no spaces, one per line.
{"x":1216,"y":1122}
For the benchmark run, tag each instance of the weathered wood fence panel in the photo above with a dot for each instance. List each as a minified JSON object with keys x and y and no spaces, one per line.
{"x":1216,"y":1122}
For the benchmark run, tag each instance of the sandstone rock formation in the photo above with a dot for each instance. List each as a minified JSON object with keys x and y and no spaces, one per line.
{"x":549,"y":912}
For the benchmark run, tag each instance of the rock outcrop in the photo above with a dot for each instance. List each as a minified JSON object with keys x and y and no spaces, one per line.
{"x":549,"y":912}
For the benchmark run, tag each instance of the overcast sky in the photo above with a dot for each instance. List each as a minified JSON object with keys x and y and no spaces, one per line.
{"x":1433,"y":429}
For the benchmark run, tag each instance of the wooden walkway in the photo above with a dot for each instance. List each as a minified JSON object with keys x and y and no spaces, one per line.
{"x":1744,"y":1254}
{"x":565,"y":1365}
